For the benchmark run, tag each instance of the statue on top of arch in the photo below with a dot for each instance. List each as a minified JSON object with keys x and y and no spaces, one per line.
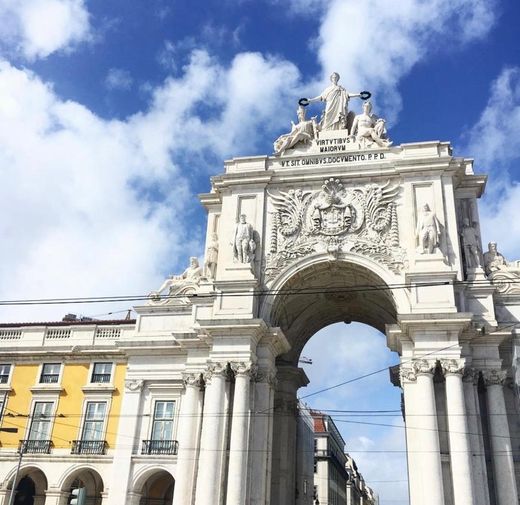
{"x":504,"y":274}
{"x":364,"y":129}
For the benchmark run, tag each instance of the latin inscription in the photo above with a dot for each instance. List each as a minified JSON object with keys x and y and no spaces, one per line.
{"x":330,"y":160}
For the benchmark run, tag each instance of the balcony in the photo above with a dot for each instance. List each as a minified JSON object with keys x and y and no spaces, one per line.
{"x":35,"y":446}
{"x":101,"y":378}
{"x":89,"y":447}
{"x":159,"y":447}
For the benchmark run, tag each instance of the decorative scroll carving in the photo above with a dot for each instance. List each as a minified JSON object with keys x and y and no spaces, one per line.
{"x":268,"y":376}
{"x":336,"y":219}
{"x":503,"y":274}
{"x":494,"y":377}
{"x":134,"y":385}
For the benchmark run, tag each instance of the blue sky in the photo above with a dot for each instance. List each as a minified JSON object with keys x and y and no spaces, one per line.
{"x":113,"y":115}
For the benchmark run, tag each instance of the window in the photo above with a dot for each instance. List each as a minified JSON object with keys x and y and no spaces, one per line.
{"x":50,"y":373}
{"x":4,"y":373}
{"x":162,"y":428}
{"x":2,"y":403}
{"x":101,"y":372}
{"x":94,"y":421}
{"x":40,"y":429}
{"x":41,"y":421}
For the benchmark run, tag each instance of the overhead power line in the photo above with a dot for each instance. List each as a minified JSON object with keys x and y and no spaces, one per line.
{"x":258,"y":293}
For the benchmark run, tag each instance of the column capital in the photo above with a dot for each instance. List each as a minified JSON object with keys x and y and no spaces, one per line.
{"x":134,"y":385}
{"x":266,"y":375}
{"x":407,"y":373}
{"x":192,"y":380}
{"x":453,"y":366}
{"x":244,"y":369}
{"x":218,"y":369}
{"x":493,"y":377}
{"x":424,"y":366}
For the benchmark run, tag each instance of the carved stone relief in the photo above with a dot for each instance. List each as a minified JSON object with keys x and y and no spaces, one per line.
{"x":335,"y":219}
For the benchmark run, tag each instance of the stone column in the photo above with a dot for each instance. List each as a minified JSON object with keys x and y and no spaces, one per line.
{"x":56,"y":497}
{"x":479,"y":470}
{"x":261,"y":444}
{"x":460,"y":448}
{"x":501,"y":449}
{"x":424,"y":459}
{"x":126,"y":433}
{"x":289,"y":379}
{"x":239,"y":439}
{"x":188,"y":440}
{"x":135,"y":498}
{"x":211,"y":441}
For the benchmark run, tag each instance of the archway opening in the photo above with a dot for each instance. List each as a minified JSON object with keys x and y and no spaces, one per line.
{"x":335,"y":313}
{"x":158,"y":489}
{"x":366,"y":412}
{"x":31,"y":487}
{"x":88,"y":479}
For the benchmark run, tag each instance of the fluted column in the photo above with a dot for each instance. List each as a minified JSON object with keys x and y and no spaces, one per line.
{"x":424,"y":459}
{"x":460,"y":448}
{"x":500,"y":438}
{"x":188,"y":440}
{"x":238,"y":449}
{"x":211,"y":440}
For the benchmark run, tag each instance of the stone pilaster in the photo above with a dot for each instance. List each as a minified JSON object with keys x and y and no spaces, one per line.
{"x":460,"y":447}
{"x":501,"y":449}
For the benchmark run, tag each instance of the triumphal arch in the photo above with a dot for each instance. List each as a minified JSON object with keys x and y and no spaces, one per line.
{"x":341,"y":224}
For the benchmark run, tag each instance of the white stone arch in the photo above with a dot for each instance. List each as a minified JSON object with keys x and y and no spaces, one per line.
{"x":74,"y":471}
{"x":35,"y":473}
{"x":346,"y":267}
{"x":143,"y":474}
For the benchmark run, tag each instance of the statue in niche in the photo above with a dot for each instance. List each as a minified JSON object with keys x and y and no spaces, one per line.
{"x":335,"y":116}
{"x":244,"y":245}
{"x":368,"y":129}
{"x":493,"y":260}
{"x":428,"y":231}
{"x":191,"y":275}
{"x":471,"y":244}
{"x":210,"y":265}
{"x":303,"y":132}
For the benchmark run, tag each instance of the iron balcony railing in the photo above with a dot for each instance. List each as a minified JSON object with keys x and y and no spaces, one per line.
{"x":49,"y":378}
{"x":101,"y":377}
{"x":35,"y":446}
{"x":159,"y":447}
{"x":89,"y":447}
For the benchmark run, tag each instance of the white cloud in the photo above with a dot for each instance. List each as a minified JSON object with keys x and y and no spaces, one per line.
{"x":495,"y":145}
{"x":38,"y":28}
{"x":374,"y":45}
{"x":75,"y":184}
{"x":118,"y":78}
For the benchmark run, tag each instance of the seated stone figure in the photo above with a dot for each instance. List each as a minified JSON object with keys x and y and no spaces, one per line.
{"x":368,"y":129}
{"x":504,"y":274}
{"x":303,"y":132}
{"x":191,"y":275}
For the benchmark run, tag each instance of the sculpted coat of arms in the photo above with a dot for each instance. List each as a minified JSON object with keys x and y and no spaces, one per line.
{"x":335,"y":219}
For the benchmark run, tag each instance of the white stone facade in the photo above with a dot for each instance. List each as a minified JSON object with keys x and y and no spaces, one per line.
{"x":332,"y":230}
